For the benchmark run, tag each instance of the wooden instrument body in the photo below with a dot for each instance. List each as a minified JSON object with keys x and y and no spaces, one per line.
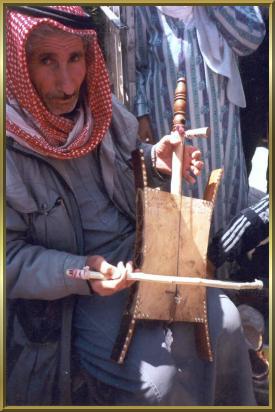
{"x":172,"y":238}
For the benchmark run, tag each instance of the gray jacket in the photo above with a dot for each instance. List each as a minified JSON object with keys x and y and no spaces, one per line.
{"x":44,"y":238}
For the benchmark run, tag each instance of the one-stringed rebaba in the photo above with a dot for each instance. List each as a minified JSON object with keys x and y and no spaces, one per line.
{"x":171,"y":250}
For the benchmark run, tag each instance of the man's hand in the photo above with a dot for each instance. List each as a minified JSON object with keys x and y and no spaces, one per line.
{"x":117,"y":276}
{"x":191,"y":159}
{"x":144,"y":129}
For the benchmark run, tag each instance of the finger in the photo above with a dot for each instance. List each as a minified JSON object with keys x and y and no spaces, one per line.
{"x":110,"y":286}
{"x":196,"y":154}
{"x":196,"y":169}
{"x":198,"y":164}
{"x":180,"y":129}
{"x":166,"y":140}
{"x":103,"y":288}
{"x":119,"y":274}
{"x":107,"y":269}
{"x":121,"y":282}
{"x":129,"y":267}
{"x":99,"y":264}
{"x":175,"y":138}
{"x":193,"y":152}
{"x":189,"y":178}
{"x":122,"y":269}
{"x":107,"y":287}
{"x":116,"y":272}
{"x":94,"y":262}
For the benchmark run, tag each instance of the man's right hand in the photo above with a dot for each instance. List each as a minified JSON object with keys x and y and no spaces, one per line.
{"x":145,"y":130}
{"x":116,"y":276}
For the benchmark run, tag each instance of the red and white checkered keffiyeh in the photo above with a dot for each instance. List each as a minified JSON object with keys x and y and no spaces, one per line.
{"x":51,"y":139}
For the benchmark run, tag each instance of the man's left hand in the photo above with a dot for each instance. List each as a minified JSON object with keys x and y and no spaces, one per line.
{"x":192,"y":162}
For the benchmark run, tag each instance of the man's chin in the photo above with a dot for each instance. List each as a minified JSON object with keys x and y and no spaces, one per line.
{"x":63,"y":108}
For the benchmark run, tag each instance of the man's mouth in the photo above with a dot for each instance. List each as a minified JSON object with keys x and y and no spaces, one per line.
{"x":65,"y":99}
{"x":65,"y":102}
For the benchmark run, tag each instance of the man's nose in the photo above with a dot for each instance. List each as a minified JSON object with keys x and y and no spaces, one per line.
{"x":65,"y":83}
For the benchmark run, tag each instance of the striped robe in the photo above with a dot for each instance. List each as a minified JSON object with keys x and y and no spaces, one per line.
{"x":165,"y":51}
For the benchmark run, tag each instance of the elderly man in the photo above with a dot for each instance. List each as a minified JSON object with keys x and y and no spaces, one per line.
{"x":71,"y":203}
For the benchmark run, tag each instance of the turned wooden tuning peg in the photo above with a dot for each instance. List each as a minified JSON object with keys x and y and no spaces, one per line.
{"x":179,"y":103}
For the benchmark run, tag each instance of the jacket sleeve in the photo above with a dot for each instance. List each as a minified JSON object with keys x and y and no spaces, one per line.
{"x":154,"y":177}
{"x":141,"y":103}
{"x":34,"y":272}
{"x":247,"y":231}
{"x":241,"y":26}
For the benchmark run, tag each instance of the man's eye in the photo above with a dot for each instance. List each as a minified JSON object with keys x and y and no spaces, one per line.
{"x":76,"y":57}
{"x":46,"y":61}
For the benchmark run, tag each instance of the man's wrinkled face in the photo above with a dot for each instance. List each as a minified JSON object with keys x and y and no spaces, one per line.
{"x":57,"y":70}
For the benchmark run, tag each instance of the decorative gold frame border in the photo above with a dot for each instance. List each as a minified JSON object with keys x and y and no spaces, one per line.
{"x":2,"y":187}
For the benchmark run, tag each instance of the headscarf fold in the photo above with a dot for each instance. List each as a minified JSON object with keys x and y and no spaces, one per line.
{"x":47,"y":133}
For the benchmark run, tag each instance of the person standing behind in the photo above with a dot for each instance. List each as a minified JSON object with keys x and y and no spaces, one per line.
{"x":201,"y":44}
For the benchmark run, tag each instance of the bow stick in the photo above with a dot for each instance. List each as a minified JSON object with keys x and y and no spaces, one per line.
{"x":86,"y":274}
